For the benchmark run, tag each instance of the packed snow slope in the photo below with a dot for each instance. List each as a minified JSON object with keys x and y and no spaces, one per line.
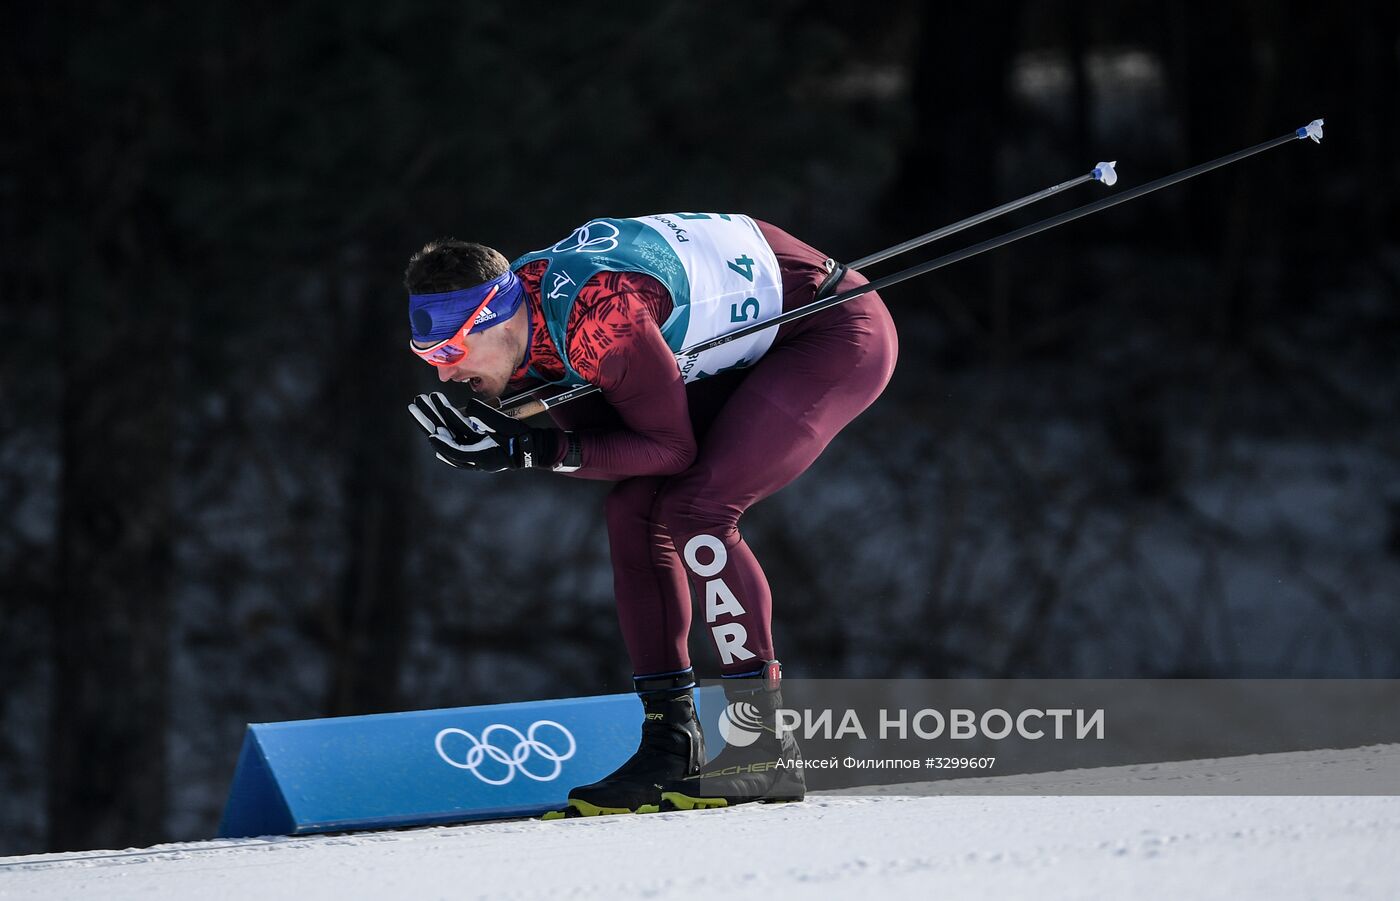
{"x":923,"y":840}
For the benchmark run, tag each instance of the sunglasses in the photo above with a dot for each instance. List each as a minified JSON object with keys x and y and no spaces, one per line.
{"x":449,"y":351}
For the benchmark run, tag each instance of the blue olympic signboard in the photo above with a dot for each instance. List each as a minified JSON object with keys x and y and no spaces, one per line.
{"x":429,"y":766}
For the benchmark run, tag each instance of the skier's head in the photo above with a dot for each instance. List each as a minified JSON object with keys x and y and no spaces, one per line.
{"x":464,"y":309}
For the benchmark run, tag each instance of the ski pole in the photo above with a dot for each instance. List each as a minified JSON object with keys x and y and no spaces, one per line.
{"x":1104,"y":172}
{"x":531,"y":406}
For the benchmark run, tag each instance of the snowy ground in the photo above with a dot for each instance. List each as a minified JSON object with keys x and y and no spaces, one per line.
{"x":924,"y":840}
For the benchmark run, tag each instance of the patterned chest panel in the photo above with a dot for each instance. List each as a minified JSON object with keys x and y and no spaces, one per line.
{"x":603,"y":320}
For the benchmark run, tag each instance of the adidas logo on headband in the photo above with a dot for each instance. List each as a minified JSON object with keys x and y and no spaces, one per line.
{"x":484,"y":316}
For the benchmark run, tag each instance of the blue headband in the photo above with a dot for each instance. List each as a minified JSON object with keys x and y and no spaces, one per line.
{"x":437,"y":317}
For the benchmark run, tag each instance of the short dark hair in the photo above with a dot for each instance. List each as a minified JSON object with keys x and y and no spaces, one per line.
{"x":451,"y":265}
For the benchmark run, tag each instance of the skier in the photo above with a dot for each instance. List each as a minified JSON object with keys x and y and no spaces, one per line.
{"x":690,"y":445}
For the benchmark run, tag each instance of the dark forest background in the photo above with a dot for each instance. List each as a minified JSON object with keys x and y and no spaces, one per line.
{"x":1158,"y":442}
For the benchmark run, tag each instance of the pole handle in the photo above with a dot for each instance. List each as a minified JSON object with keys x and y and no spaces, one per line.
{"x":531,"y":406}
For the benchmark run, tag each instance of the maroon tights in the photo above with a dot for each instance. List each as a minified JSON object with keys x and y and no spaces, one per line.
{"x":670,"y":535}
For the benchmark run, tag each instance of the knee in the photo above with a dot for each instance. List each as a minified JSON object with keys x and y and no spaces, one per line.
{"x":686,"y":505}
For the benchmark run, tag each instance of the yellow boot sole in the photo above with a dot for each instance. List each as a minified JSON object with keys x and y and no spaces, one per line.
{"x":678,"y":801}
{"x":577,"y":808}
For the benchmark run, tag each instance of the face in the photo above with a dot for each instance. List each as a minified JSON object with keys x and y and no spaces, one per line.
{"x":492,"y":357}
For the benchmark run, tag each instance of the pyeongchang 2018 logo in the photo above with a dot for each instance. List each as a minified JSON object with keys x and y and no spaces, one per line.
{"x":502,"y":751}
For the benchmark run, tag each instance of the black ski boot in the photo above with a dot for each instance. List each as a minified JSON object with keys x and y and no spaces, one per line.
{"x":672,"y":747}
{"x":757,"y":764}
